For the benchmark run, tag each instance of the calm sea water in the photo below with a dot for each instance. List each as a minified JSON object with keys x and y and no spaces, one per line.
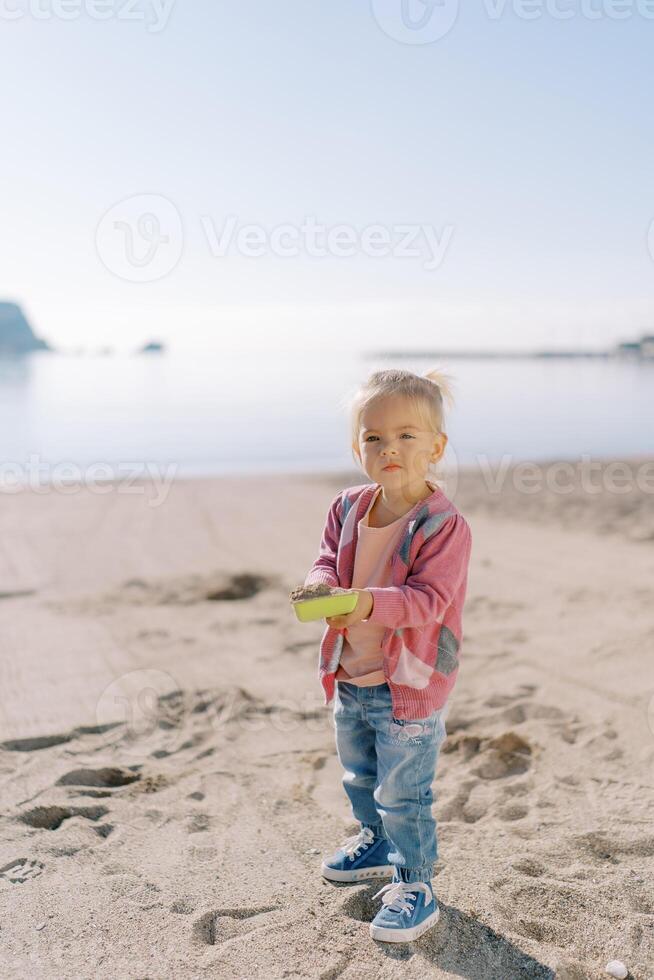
{"x":211,"y":413}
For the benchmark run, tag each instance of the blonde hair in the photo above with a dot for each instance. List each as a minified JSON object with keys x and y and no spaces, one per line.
{"x":431,"y":392}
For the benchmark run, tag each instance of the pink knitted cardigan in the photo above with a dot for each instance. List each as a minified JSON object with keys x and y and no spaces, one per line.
{"x":421,"y":610}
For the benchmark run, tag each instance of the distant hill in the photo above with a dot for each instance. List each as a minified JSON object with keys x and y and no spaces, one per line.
{"x":16,"y":335}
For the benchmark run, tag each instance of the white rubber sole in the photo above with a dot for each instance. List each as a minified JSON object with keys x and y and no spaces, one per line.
{"x":404,"y":935}
{"x":333,"y":874}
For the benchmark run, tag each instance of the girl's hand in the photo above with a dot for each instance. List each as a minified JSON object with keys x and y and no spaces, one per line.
{"x":362,"y":610}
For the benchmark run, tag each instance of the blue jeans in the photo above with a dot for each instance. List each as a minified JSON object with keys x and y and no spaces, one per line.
{"x":389,"y":767}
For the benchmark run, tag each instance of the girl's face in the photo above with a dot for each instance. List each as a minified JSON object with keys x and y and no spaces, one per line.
{"x":395,"y":432}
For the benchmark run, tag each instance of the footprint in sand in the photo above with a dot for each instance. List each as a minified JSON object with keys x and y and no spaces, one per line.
{"x":198,"y":823}
{"x":465,"y":805}
{"x":52,"y":817}
{"x":610,"y":847}
{"x":21,"y":870}
{"x":545,"y":911}
{"x":513,"y":811}
{"x":190,"y":589}
{"x":38,"y":743}
{"x":465,"y":714}
{"x":35,"y":744}
{"x":215,"y":928}
{"x":183,"y":906}
{"x":182,"y":590}
{"x":238,"y":587}
{"x":131,"y":888}
{"x":109,"y":777}
{"x":529,"y":866}
{"x":515,"y":709}
{"x":104,"y":829}
{"x":506,"y":755}
{"x":488,"y":758}
{"x":476,"y":798}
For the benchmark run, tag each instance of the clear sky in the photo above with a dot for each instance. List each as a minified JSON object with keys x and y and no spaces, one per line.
{"x":524,"y":146}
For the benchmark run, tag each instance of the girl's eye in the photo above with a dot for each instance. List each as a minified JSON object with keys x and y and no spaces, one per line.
{"x":404,"y":434}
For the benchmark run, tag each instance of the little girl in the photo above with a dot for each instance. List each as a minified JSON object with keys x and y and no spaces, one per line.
{"x":391,"y":664}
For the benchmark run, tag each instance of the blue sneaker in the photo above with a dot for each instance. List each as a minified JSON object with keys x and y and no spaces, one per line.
{"x":358,"y":857}
{"x":409,"y":908}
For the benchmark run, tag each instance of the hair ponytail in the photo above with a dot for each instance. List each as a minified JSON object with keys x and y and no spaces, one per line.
{"x":445,"y":384}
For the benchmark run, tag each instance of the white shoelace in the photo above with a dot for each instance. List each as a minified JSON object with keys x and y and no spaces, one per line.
{"x":353,"y":845}
{"x":398,"y":894}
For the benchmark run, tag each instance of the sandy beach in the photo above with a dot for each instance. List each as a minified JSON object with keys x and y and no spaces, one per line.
{"x":168,"y":769}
